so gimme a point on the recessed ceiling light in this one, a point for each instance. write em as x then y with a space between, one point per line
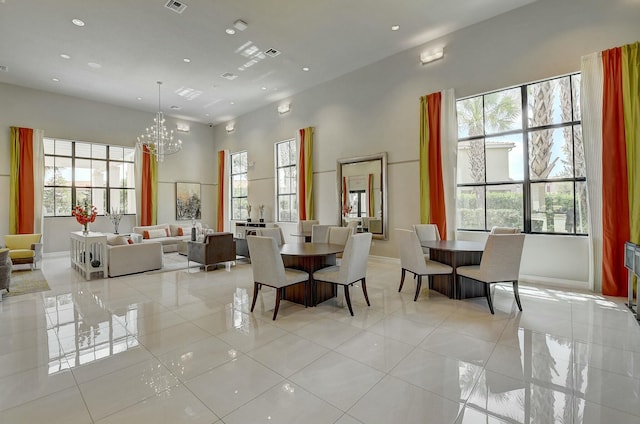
263 88
139 98
240 25
306 69
395 27
206 114
187 60
94 65
175 107
230 31
65 56
55 80
78 22
232 103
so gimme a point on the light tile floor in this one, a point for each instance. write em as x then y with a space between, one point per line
182 347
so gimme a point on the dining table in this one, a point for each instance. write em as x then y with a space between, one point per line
310 257
456 253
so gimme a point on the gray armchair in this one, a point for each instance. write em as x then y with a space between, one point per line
5 270
214 249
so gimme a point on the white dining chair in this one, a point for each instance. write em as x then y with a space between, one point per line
353 226
413 259
426 232
504 230
500 263
305 226
339 235
352 269
268 270
320 233
274 232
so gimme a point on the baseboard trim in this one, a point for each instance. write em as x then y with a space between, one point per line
555 282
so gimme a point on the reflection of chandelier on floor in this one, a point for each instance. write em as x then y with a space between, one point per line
157 139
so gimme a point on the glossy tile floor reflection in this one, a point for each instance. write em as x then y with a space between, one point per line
181 347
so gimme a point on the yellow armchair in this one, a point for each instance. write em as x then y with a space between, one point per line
24 248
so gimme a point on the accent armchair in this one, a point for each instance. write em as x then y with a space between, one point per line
24 248
214 249
5 270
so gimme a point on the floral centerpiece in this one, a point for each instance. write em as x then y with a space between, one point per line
115 216
85 213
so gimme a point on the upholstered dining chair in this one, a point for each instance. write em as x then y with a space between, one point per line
352 269
274 232
268 270
426 232
504 230
339 235
305 226
500 263
413 259
353 226
320 233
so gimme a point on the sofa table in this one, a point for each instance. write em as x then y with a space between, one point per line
89 253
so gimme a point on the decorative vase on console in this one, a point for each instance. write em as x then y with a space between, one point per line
85 213
115 217
248 213
261 210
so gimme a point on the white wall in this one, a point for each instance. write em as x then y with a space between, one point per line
376 109
76 119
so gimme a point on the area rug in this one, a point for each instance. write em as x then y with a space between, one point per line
174 262
25 281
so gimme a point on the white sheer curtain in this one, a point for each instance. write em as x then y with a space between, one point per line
449 145
38 180
591 107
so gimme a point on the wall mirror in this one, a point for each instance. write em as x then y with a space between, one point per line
362 185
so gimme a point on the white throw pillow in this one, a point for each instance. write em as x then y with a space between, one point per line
117 241
159 233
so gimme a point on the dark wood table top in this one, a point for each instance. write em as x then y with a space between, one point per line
454 245
310 249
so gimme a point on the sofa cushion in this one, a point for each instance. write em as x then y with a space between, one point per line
157 233
117 240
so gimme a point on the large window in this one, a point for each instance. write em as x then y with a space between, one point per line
76 171
239 186
521 159
286 177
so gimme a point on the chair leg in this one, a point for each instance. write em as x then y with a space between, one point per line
278 296
364 290
487 292
404 271
347 298
256 287
517 295
418 288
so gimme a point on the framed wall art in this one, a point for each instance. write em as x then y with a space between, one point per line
187 201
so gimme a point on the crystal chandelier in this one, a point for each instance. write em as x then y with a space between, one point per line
157 139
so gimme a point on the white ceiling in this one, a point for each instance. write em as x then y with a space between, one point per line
138 42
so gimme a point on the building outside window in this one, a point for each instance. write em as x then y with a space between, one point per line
286 181
76 171
521 159
239 186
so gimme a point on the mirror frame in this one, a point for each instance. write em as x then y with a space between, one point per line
383 173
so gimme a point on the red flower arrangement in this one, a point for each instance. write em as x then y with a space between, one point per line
85 214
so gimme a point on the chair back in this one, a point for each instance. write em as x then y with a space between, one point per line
339 235
305 227
426 232
504 230
501 257
354 259
411 254
273 232
353 226
266 262
320 233
21 241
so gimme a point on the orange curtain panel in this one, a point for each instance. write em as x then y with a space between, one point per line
149 203
305 174
432 202
610 105
221 185
21 192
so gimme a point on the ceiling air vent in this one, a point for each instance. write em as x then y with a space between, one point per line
272 52
176 6
4 68
229 76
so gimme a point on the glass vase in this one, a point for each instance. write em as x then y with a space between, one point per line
85 228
